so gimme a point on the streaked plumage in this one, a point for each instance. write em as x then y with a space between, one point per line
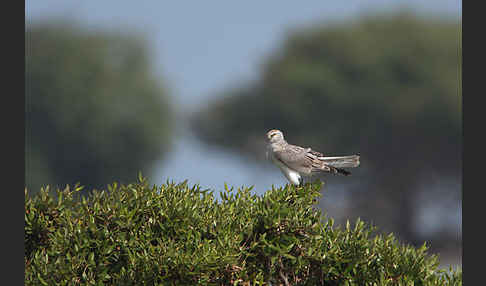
296 162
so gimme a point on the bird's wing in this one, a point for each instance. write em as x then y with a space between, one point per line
332 164
295 157
307 161
319 163
315 158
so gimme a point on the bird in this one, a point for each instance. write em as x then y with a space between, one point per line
297 162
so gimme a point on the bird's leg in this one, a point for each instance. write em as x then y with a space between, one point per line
301 181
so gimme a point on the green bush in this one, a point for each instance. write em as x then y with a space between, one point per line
176 234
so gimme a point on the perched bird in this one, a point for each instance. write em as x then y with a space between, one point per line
295 162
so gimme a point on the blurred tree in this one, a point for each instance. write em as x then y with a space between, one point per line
95 111
385 86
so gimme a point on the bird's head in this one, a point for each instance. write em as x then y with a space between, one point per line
274 135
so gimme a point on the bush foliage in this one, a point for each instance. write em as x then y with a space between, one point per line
177 234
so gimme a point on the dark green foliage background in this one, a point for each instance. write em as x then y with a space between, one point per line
176 234
94 111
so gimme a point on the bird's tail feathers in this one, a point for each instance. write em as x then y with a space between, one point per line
341 161
339 171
